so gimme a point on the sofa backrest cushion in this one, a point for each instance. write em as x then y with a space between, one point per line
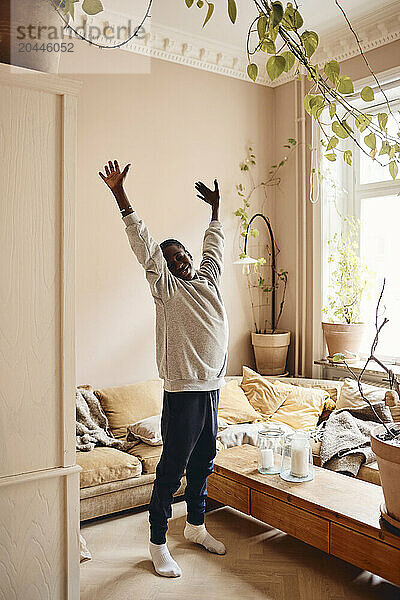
128 404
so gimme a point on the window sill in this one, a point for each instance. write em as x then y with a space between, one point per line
375 371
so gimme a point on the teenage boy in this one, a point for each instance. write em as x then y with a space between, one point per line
191 352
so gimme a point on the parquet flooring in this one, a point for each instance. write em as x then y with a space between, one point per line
261 564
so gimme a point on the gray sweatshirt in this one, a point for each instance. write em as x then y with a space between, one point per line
191 322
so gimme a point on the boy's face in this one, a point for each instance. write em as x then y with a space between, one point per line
180 262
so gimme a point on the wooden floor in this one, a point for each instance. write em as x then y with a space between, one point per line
261 563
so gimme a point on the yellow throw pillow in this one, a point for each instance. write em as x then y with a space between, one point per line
262 394
128 404
303 406
234 406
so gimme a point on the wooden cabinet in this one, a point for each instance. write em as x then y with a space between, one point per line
39 481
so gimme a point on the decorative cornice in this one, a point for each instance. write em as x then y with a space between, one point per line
165 43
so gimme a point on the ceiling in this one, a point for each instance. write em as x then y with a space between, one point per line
322 16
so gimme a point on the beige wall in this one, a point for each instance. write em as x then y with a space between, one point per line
380 59
176 125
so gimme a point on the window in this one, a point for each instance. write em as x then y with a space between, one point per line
368 193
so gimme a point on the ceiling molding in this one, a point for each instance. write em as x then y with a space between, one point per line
169 44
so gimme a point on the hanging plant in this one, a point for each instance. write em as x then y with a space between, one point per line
278 33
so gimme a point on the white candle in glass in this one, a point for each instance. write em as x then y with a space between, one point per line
300 456
267 458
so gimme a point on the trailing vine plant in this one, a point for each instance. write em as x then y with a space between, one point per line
66 11
245 194
278 33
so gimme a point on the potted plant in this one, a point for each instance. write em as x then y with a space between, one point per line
31 31
385 439
343 330
270 344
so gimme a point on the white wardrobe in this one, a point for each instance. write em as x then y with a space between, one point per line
39 480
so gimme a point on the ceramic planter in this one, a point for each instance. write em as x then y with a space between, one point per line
270 351
388 457
343 337
19 51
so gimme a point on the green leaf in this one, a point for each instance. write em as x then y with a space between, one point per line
331 156
332 110
261 26
332 70
292 19
362 121
277 13
370 141
316 105
69 7
367 94
307 99
345 85
340 130
267 45
252 71
189 3
348 157
393 169
289 58
385 148
275 66
92 7
333 142
310 42
209 14
232 10
338 357
382 120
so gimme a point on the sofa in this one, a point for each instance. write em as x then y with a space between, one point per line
113 480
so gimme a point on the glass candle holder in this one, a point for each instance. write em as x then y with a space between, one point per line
270 445
297 459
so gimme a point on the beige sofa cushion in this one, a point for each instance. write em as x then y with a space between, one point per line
128 404
148 456
234 407
103 465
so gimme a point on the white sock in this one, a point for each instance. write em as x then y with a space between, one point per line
199 535
163 562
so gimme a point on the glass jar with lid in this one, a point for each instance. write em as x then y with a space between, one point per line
270 446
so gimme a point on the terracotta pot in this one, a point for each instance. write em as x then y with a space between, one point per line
343 337
21 14
270 351
388 457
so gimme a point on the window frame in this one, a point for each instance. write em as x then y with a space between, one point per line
356 193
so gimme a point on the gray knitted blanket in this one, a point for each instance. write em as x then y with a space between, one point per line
91 423
345 438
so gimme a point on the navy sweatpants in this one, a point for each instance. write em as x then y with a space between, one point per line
188 427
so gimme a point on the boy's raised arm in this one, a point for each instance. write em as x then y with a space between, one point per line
146 249
211 265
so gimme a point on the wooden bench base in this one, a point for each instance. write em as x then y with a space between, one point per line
335 513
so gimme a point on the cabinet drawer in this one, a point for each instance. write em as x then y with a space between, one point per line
299 523
229 492
365 552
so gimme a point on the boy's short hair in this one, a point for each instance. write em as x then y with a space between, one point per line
171 242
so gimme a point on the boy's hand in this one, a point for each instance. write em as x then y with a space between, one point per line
207 195
113 177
